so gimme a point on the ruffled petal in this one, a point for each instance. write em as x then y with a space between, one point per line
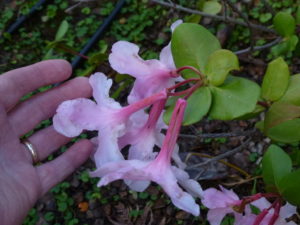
215 216
166 57
73 116
190 185
167 180
213 198
124 59
287 210
108 148
229 193
101 86
261 203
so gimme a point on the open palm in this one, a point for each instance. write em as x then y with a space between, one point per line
22 183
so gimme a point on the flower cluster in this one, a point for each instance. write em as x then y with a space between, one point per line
119 126
226 201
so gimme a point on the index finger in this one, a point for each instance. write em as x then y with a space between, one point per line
16 83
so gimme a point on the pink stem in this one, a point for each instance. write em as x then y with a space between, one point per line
134 107
172 132
260 217
155 112
182 83
190 68
276 213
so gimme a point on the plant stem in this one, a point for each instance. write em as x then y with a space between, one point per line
221 18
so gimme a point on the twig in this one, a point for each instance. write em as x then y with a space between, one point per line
218 135
221 18
258 48
235 9
221 161
221 156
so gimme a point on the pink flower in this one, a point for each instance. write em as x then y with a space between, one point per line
285 212
158 170
107 116
151 75
220 203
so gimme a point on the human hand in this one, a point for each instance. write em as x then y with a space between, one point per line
22 183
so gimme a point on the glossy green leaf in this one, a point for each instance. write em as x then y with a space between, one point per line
280 112
276 80
219 64
62 30
212 7
284 23
275 165
191 45
236 97
289 187
198 105
257 110
286 132
292 94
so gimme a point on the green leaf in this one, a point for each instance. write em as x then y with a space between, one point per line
276 80
219 64
198 105
97 58
289 187
280 112
236 97
191 45
62 30
286 132
275 165
298 15
212 7
292 94
284 23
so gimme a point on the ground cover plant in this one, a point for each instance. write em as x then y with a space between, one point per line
231 81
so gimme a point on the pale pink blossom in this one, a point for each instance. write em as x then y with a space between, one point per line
151 75
285 212
220 203
106 116
158 170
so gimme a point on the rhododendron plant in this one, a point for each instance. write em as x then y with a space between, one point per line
189 81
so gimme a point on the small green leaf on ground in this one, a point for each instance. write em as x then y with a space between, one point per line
284 23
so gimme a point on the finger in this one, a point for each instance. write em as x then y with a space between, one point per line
7 136
47 141
53 172
42 106
16 83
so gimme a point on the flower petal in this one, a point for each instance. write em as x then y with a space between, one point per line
287 210
215 216
190 185
101 86
124 59
213 198
73 116
108 148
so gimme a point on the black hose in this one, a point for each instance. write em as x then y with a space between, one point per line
98 33
22 19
